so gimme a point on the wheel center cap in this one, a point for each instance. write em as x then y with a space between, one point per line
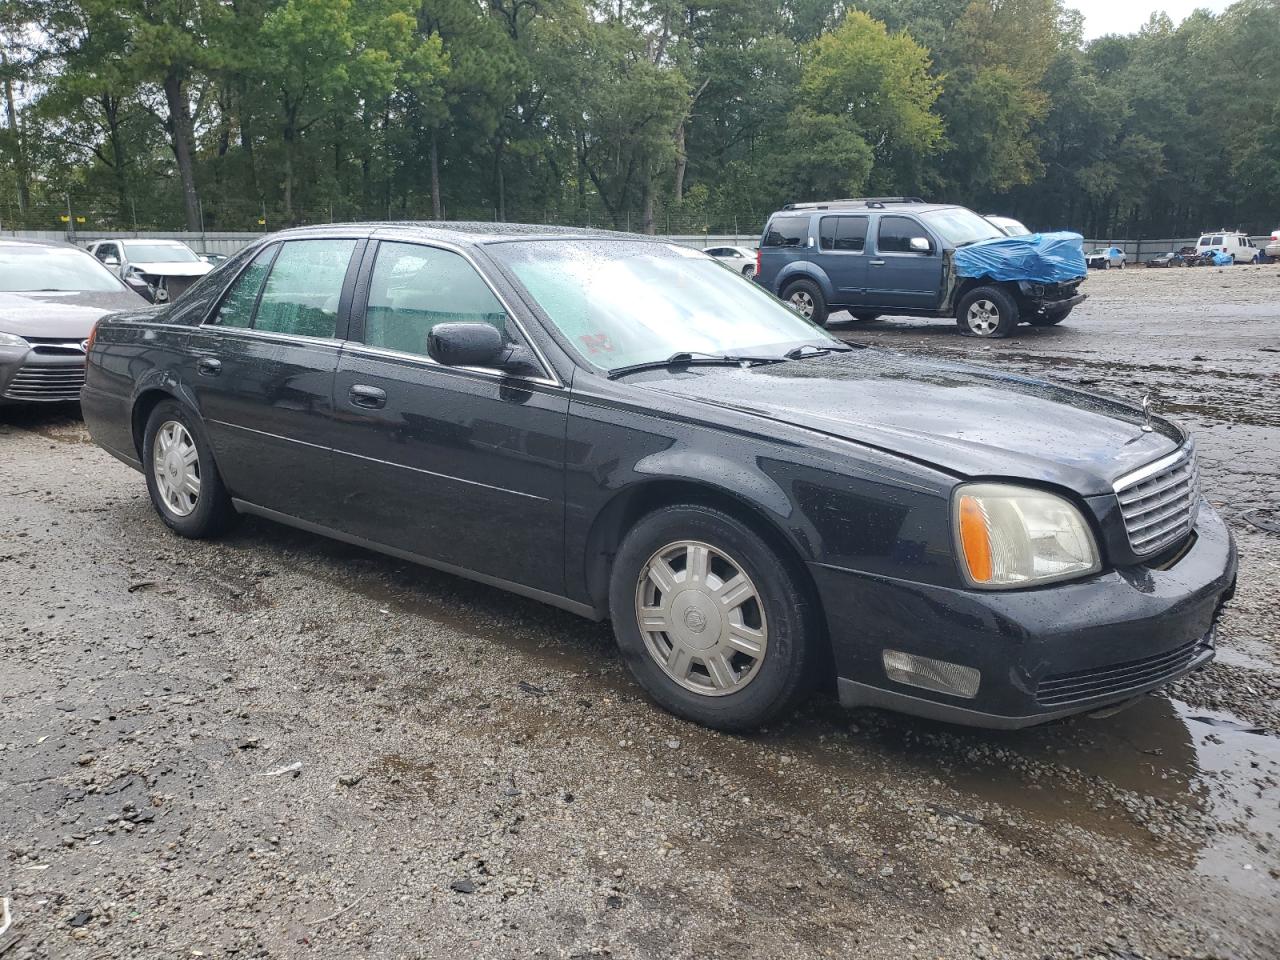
696 619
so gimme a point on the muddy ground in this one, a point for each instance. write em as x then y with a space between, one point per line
468 774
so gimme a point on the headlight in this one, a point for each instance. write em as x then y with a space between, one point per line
12 340
1012 536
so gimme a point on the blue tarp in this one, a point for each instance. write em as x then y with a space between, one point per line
1041 257
1221 259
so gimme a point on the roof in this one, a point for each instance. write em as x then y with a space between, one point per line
894 204
470 231
24 242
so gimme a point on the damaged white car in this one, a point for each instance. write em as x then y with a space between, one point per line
160 270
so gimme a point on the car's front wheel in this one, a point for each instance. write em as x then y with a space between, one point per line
713 622
987 312
807 300
182 479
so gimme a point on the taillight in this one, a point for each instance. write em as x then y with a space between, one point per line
757 261
93 335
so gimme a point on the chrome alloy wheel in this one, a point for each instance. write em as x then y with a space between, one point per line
176 464
802 301
983 317
701 617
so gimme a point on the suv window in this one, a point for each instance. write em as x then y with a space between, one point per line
236 309
896 233
843 233
303 287
415 287
786 232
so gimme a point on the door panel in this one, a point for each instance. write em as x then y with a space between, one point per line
898 277
458 465
842 255
266 393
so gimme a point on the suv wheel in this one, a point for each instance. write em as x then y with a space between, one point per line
712 622
987 312
182 479
807 300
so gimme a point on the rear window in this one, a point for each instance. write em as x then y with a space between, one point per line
786 232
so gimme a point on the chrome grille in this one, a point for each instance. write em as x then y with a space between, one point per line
1159 502
46 382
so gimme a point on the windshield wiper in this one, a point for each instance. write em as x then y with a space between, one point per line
686 357
816 350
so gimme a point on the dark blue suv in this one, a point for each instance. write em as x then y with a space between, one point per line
894 255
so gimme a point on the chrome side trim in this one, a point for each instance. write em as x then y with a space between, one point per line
442 476
363 349
264 433
543 596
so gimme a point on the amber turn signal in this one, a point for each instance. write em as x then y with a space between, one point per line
975 539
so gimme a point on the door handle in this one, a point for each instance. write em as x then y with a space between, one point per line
371 398
208 366
876 263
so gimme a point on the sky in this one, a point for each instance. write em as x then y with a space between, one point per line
1126 16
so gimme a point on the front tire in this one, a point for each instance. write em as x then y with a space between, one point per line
713 622
185 487
807 300
987 312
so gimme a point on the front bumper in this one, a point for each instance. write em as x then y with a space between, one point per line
1042 653
40 374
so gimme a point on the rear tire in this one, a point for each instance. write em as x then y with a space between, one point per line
185 486
729 629
987 312
806 299
749 271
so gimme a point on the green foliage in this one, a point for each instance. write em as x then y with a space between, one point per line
649 114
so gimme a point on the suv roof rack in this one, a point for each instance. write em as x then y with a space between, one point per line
850 201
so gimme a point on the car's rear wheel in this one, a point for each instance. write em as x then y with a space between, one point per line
807 300
712 621
987 312
183 481
749 270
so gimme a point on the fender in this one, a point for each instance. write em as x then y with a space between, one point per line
802 269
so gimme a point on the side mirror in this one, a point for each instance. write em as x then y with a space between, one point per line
466 345
920 245
111 262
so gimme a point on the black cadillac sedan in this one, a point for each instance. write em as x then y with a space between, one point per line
627 429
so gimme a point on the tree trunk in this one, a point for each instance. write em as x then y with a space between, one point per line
111 109
647 225
19 155
682 163
436 213
181 134
288 174
499 182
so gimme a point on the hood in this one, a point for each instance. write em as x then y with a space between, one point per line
61 314
173 268
968 421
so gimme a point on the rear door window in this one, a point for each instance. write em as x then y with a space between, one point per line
414 287
303 288
848 234
787 232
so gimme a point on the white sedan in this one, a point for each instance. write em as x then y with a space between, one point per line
742 259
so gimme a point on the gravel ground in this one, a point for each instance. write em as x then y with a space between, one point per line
276 745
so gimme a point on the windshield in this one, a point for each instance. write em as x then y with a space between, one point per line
62 269
622 302
160 253
958 226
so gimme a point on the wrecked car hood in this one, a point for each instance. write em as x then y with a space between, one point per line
173 268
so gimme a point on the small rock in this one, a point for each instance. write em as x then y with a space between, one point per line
350 779
462 886
81 918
